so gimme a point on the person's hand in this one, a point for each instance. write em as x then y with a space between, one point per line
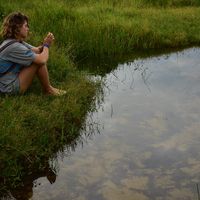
49 39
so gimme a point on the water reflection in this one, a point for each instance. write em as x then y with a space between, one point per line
102 66
25 192
47 171
149 148
159 127
149 142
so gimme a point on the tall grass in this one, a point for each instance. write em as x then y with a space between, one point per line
34 126
105 28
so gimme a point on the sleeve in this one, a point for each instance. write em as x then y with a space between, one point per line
21 55
28 45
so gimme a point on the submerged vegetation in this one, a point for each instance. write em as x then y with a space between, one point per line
33 126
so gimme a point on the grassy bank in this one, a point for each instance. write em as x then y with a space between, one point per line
33 127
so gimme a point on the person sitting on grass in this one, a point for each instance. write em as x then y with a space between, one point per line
20 61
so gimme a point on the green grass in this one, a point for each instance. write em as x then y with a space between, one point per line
34 127
109 27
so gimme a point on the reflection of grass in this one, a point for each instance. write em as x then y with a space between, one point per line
173 2
33 126
198 194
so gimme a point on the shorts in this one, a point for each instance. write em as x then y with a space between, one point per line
9 84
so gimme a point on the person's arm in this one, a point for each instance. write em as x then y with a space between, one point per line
42 57
38 49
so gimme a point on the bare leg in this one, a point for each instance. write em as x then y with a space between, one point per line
26 77
43 76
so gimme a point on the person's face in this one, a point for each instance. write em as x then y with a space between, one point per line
24 30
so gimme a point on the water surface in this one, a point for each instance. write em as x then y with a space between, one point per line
149 141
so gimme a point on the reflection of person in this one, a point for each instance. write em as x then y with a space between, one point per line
25 192
20 61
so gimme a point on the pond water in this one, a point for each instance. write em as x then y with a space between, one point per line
147 139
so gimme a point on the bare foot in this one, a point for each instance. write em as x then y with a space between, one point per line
54 91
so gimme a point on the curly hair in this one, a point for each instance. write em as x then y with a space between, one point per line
12 24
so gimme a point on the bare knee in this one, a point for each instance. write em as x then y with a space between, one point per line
26 76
